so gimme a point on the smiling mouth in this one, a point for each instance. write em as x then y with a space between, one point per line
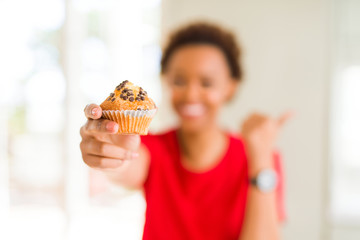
192 110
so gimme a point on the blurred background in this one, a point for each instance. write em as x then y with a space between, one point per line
56 56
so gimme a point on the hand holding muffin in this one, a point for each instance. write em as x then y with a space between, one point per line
105 137
101 146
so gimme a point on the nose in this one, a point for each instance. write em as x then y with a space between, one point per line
191 93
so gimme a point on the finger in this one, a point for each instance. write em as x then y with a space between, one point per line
102 137
101 126
107 150
285 117
253 120
101 162
93 111
129 142
82 132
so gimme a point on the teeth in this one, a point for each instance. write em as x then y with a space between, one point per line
192 110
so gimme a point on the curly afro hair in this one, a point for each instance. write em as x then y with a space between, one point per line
205 33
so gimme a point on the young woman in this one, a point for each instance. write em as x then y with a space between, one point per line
199 181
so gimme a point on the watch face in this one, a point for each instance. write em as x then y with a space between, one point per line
267 180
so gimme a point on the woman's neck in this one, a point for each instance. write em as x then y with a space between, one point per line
203 149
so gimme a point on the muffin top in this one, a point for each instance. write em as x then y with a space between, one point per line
127 96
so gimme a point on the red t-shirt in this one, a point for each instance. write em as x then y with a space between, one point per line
186 205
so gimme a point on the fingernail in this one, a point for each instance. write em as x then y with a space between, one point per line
112 127
94 111
116 128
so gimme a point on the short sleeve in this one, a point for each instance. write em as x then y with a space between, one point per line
280 201
150 142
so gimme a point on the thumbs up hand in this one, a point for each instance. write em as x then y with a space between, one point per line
259 133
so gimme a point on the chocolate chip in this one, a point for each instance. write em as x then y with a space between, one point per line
125 90
142 98
109 98
137 98
130 93
125 97
120 86
112 94
113 99
138 109
131 99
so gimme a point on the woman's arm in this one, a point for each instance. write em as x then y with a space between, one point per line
261 219
121 157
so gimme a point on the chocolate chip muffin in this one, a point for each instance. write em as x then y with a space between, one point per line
130 107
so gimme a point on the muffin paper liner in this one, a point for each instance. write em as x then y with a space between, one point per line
131 121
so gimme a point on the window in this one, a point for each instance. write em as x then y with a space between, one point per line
345 114
61 55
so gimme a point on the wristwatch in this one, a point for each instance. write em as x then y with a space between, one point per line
266 180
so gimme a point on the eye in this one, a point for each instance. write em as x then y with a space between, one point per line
206 83
179 81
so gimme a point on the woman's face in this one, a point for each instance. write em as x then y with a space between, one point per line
200 83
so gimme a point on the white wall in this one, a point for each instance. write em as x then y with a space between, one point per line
286 62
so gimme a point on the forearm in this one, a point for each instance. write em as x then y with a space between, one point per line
117 176
261 220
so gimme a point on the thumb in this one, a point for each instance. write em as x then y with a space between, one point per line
93 111
285 117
